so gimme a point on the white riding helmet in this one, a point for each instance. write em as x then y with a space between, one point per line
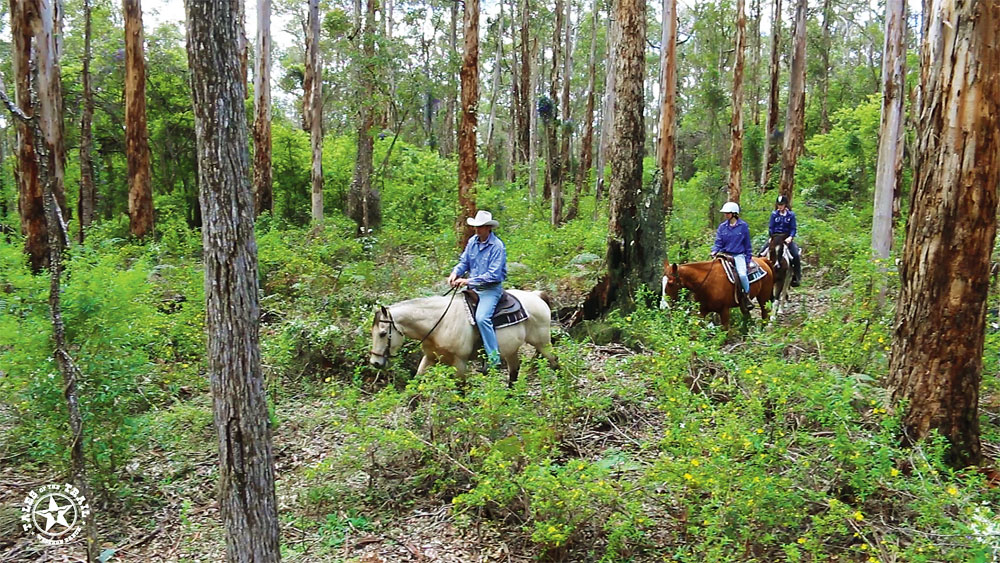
730 207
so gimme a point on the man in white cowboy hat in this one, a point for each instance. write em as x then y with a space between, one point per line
485 262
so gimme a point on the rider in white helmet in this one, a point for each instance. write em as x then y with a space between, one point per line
733 238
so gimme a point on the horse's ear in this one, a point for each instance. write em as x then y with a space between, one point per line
383 311
673 269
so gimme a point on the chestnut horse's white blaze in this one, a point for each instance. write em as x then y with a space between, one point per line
454 341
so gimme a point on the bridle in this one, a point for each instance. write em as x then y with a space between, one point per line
703 280
392 325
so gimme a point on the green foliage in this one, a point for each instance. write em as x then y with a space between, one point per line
839 166
133 338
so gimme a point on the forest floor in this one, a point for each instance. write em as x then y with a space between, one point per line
186 525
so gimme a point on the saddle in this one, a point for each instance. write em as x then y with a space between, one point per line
509 310
754 272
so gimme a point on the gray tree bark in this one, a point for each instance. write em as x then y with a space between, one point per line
247 498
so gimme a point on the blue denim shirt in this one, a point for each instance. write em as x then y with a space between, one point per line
733 239
783 223
486 262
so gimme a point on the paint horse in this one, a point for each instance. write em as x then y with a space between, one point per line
446 335
780 259
711 288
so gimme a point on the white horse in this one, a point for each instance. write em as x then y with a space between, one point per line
447 336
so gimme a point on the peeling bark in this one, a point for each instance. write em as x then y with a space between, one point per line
936 360
888 171
795 119
140 188
668 88
468 169
314 109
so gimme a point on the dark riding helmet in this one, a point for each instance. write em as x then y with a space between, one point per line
782 200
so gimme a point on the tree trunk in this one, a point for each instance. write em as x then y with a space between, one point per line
888 175
564 117
47 135
736 125
468 170
936 361
668 88
533 124
587 145
314 109
247 500
30 202
140 188
527 91
363 203
770 130
88 192
635 247
795 118
824 78
491 151
447 143
552 176
607 106
262 111
755 62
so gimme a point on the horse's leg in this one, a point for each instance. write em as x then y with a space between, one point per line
724 317
425 363
513 367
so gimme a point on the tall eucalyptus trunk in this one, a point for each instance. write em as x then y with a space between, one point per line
736 125
468 169
137 153
668 88
88 192
770 155
262 179
888 169
795 120
936 361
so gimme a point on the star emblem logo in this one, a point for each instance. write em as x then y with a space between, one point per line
59 507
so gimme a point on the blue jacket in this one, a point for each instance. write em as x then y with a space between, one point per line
783 223
486 262
733 239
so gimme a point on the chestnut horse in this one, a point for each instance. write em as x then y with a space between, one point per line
710 287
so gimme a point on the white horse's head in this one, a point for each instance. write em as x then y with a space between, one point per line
386 338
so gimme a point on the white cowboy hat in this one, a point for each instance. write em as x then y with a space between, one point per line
482 219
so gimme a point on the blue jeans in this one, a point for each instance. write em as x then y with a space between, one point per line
489 296
740 262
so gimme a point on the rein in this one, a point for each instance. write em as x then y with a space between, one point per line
392 325
705 279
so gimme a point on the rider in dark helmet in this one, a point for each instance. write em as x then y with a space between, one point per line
783 222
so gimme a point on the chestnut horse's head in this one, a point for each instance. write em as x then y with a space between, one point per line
671 281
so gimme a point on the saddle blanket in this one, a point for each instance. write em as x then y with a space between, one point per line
509 310
754 272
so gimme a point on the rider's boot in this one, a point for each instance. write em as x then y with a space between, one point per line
797 269
745 305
